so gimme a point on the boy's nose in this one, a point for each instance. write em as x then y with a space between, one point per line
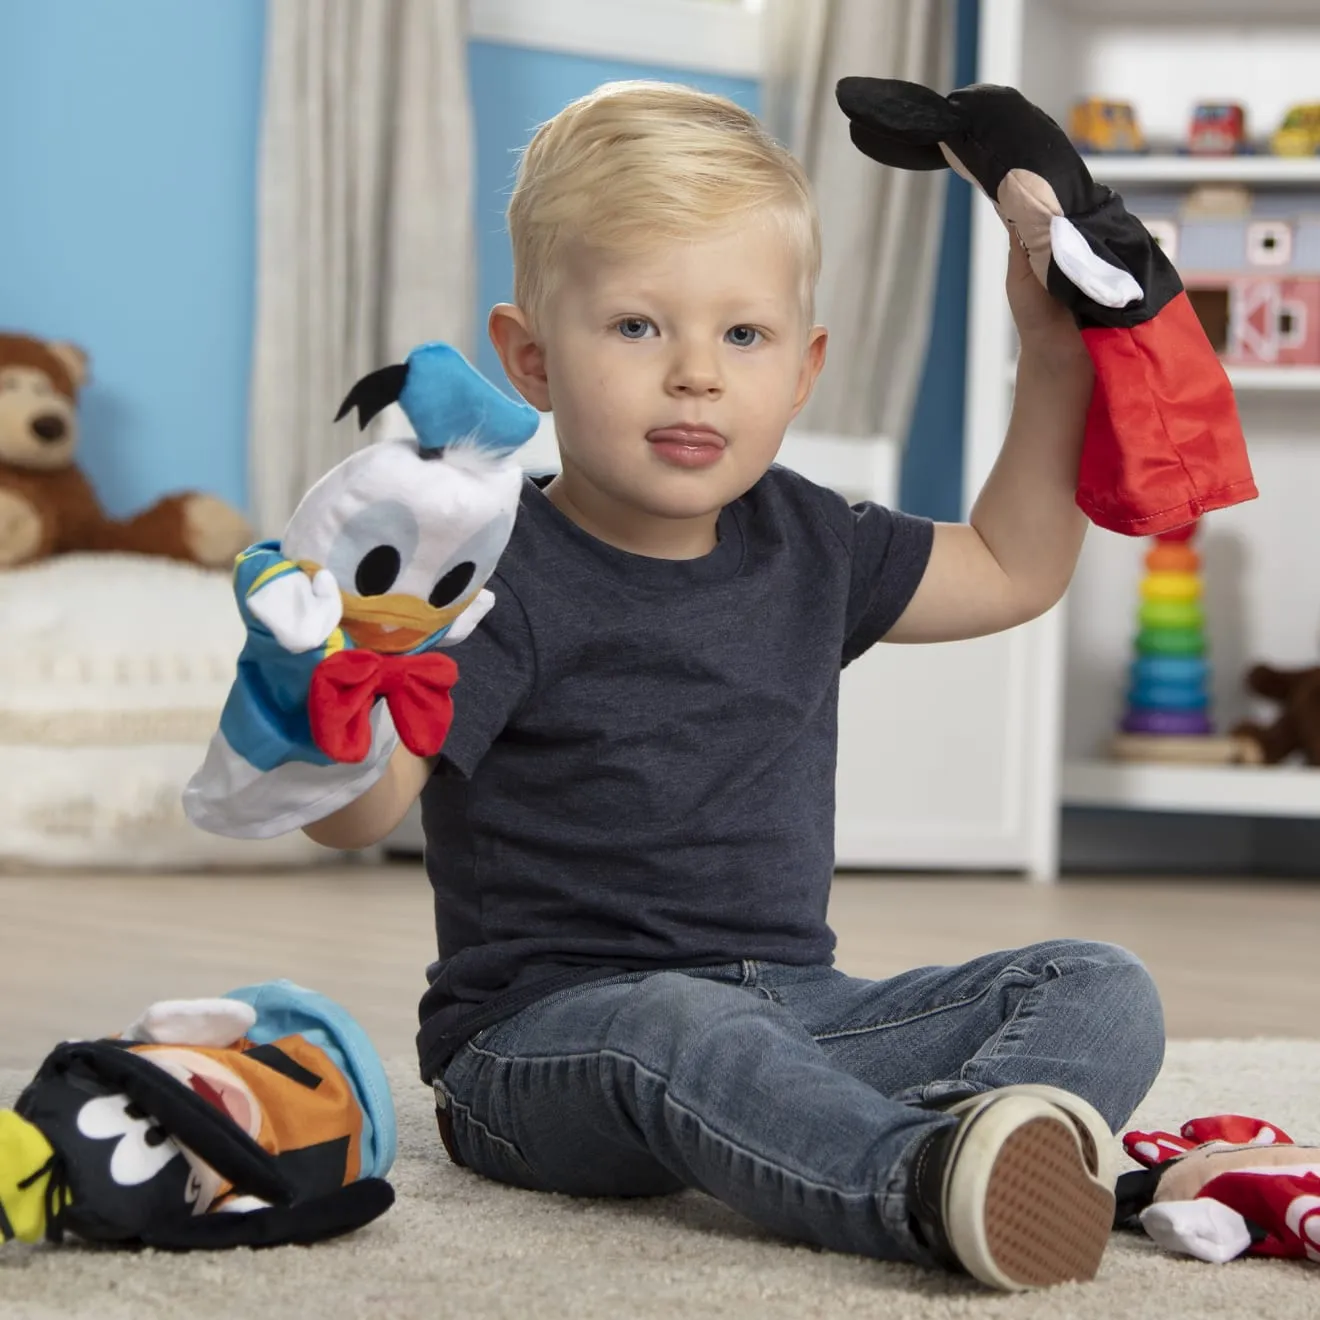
695 372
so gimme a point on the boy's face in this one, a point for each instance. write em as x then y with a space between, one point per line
672 377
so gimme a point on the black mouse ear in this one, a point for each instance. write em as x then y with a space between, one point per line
374 392
899 123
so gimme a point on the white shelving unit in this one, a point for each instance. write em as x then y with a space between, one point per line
1119 171
1228 790
1273 380
1261 560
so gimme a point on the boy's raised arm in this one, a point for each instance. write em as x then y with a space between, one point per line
1015 558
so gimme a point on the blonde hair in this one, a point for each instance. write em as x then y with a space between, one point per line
633 162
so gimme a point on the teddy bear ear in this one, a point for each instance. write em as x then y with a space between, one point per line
74 361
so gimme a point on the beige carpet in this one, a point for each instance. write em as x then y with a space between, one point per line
454 1245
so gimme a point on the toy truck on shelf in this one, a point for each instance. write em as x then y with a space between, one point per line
1098 127
1299 133
1218 128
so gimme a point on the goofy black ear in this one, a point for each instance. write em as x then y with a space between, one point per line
374 392
899 123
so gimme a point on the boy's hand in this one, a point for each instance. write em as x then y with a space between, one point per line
1045 327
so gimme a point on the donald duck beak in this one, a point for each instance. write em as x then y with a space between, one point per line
394 624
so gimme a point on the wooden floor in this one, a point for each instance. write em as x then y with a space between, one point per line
82 955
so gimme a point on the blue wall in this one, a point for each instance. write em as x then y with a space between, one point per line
127 224
513 90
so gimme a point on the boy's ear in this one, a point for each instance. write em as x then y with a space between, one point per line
520 353
812 362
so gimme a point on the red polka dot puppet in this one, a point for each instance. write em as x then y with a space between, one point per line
1224 1187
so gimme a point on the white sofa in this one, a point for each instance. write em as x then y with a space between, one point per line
113 672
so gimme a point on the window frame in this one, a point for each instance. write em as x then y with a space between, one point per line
708 36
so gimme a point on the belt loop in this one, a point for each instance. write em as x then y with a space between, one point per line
749 973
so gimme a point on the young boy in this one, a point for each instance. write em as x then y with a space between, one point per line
630 828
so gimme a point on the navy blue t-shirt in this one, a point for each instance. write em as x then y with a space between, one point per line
640 772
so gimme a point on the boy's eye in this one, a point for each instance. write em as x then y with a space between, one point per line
743 336
634 327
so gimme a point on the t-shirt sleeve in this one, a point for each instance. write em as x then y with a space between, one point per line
496 668
890 551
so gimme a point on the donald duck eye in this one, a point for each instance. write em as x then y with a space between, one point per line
452 585
377 571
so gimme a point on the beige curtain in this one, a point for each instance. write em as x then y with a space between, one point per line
365 243
881 227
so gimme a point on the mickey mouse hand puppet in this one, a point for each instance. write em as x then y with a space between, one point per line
256 1119
1163 441
384 560
1224 1187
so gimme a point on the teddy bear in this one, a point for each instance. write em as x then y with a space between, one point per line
47 505
1298 726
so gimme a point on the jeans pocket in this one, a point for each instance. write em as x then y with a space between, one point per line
469 1137
486 1152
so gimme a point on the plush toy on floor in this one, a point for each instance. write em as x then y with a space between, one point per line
384 561
1163 441
47 505
1224 1187
260 1118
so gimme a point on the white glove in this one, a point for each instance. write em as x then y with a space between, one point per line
300 611
466 622
216 1023
1204 1228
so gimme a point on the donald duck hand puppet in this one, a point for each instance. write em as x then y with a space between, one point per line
1163 442
258 1118
384 561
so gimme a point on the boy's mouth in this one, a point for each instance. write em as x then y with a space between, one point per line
687 445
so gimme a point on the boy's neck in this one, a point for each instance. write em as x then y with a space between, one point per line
632 530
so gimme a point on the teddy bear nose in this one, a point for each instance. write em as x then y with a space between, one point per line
49 427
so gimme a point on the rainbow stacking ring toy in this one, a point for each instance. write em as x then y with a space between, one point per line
1168 691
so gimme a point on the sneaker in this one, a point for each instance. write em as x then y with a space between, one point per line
1099 1144
1012 1193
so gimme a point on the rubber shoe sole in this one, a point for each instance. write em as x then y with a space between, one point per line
1099 1144
1022 1207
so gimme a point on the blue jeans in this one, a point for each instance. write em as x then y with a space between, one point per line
793 1094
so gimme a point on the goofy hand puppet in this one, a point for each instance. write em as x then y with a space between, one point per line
384 561
1163 441
257 1119
1223 1187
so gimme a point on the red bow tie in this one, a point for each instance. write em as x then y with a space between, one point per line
345 686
